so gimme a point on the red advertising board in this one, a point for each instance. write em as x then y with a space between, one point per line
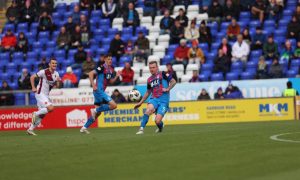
61 117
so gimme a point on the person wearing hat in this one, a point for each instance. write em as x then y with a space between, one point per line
181 53
141 47
8 41
24 80
270 49
262 72
176 33
69 79
219 94
203 95
195 54
191 33
258 39
13 13
290 91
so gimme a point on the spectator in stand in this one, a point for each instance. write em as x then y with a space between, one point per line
170 71
97 4
297 50
127 75
79 57
176 33
28 12
293 29
195 54
233 30
203 95
195 77
258 10
9 41
84 22
24 80
118 97
191 33
45 22
69 79
6 99
273 10
63 39
76 37
166 23
180 53
276 70
246 36
219 94
205 5
13 13
287 53
85 36
129 49
117 46
49 4
215 12
232 92
230 10
297 13
76 14
182 18
270 49
226 48
258 39
109 10
43 8
221 63
70 26
22 44
87 67
183 2
205 34
121 7
131 17
86 5
246 5
240 50
150 8
43 64
142 47
165 5
262 72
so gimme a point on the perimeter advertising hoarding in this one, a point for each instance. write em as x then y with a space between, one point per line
198 112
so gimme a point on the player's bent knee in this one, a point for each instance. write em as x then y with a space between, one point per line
50 108
113 106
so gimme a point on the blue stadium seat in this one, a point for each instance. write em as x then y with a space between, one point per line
251 64
96 13
247 75
279 32
44 35
11 66
4 55
204 47
33 26
142 29
295 63
61 7
232 76
60 54
31 55
127 31
254 23
112 31
167 59
256 54
32 100
31 36
206 67
245 15
71 53
67 15
104 23
22 27
237 65
51 44
18 61
9 26
283 23
287 13
203 77
291 73
37 45
100 51
4 76
270 23
20 99
217 77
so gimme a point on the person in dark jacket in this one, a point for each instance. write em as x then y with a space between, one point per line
203 95
131 17
230 11
22 44
13 13
219 94
182 18
171 71
28 12
293 29
43 64
205 34
275 70
233 92
79 57
6 99
70 25
63 39
177 33
258 39
166 23
215 12
117 46
45 22
270 48
24 80
76 37
118 97
221 63
121 8
141 47
86 5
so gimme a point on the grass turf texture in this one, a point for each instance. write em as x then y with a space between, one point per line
215 151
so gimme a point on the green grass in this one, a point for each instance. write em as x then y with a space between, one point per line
230 151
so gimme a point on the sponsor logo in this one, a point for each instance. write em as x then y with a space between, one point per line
277 109
76 118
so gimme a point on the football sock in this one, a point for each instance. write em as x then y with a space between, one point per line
104 107
145 120
160 125
41 112
37 122
89 122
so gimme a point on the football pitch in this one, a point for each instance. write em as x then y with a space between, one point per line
232 151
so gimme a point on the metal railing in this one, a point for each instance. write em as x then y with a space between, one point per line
26 92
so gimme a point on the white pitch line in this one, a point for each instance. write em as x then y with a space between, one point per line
276 137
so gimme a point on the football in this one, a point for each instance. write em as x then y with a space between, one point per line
134 95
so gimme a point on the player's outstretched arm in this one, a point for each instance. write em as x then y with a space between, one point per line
146 95
32 77
91 77
172 83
